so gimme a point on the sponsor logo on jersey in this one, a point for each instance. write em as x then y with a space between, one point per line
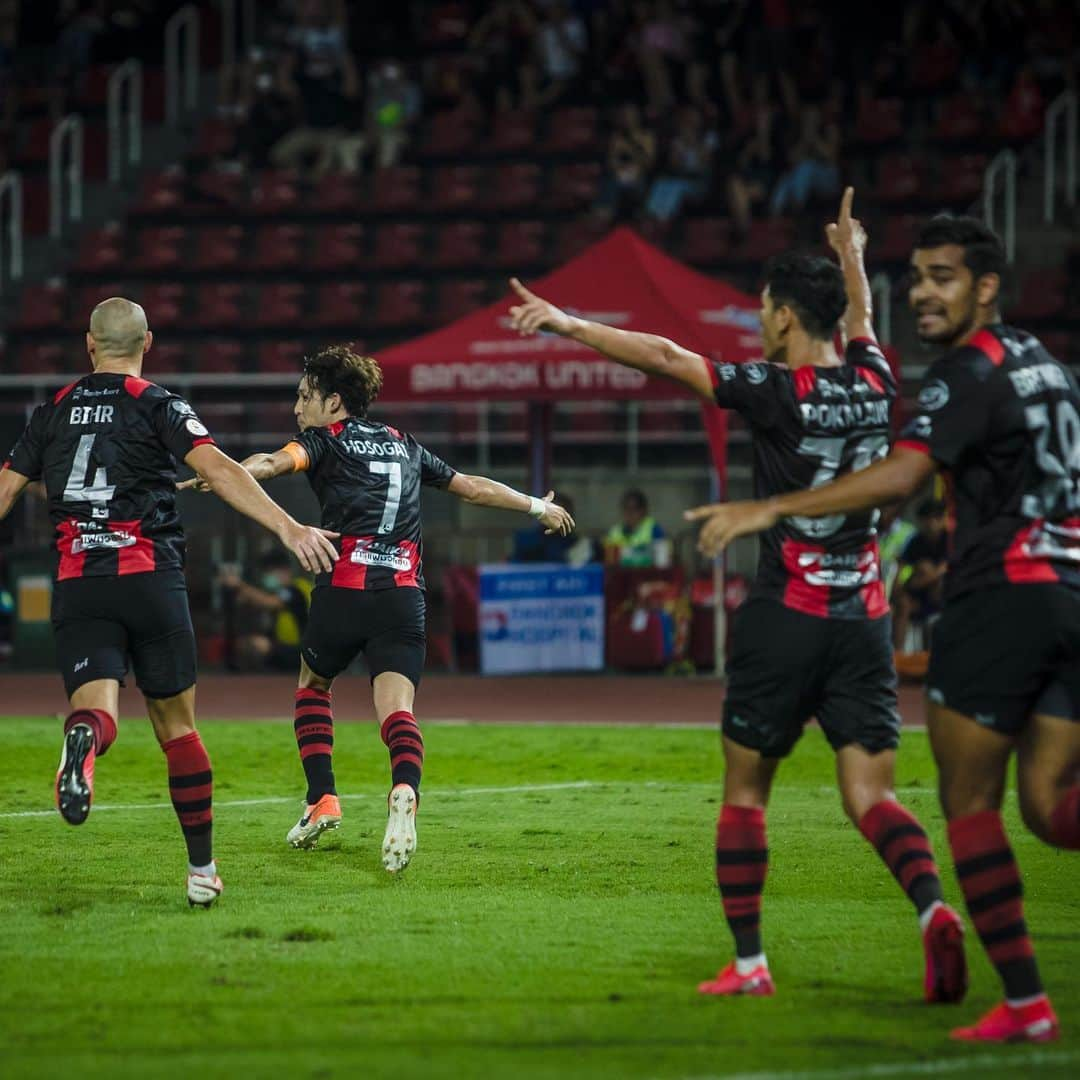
933 395
381 555
178 405
84 662
839 571
726 372
196 428
756 373
101 540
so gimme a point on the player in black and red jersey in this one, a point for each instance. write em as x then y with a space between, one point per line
813 640
107 448
367 477
1000 418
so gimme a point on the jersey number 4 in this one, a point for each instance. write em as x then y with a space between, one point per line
99 491
391 469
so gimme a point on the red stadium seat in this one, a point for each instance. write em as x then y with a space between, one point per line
879 121
900 179
957 119
218 305
456 188
218 356
280 305
170 357
933 65
336 193
450 133
281 356
457 298
163 303
962 178
512 132
36 358
574 187
101 251
398 246
897 237
766 238
460 245
705 240
517 186
1043 294
337 247
341 304
573 237
520 243
95 86
278 247
402 303
222 191
276 192
571 130
160 248
217 138
35 147
160 191
41 307
218 247
396 190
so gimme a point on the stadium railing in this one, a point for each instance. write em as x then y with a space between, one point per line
1062 114
66 136
12 227
124 118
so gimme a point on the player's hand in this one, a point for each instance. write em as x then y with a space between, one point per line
555 519
846 235
312 547
723 522
534 314
196 483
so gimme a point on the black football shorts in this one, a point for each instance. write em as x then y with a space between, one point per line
787 667
1005 652
386 625
100 623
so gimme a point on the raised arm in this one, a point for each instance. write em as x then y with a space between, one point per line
847 238
644 352
233 483
261 466
483 491
12 485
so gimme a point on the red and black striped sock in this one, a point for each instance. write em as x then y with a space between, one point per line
742 860
100 723
993 892
314 729
905 849
402 737
1065 821
191 787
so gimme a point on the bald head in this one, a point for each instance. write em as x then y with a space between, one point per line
117 330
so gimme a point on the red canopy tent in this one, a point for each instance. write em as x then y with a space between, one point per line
622 281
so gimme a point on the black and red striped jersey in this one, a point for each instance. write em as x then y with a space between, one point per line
1001 417
367 477
810 425
107 448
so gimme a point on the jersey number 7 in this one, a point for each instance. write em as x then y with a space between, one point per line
391 469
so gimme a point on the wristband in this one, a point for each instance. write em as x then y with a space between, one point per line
537 507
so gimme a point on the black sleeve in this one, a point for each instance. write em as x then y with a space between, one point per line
27 454
865 353
434 472
954 407
758 391
315 442
178 427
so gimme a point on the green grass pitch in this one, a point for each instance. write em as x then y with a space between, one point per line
555 921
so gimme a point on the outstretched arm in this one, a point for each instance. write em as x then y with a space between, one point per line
644 352
847 238
892 479
261 466
233 483
483 491
12 485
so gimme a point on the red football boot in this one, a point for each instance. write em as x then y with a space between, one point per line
946 967
1034 1022
729 981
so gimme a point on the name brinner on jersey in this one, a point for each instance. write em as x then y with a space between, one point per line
372 553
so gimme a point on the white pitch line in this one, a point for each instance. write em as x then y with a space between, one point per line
278 800
911 1068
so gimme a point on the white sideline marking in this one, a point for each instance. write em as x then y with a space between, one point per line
278 800
910 1068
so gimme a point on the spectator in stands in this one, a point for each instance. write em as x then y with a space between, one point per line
532 545
631 154
812 164
662 49
281 600
635 539
393 107
499 44
918 592
754 170
561 44
318 71
687 167
266 114
82 23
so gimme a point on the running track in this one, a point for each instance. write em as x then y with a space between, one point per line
564 699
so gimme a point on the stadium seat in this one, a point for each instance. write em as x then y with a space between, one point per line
341 304
457 298
512 132
95 85
402 304
281 356
705 240
216 138
573 237
957 119
160 248
571 130
398 246
520 244
933 65
460 246
962 178
879 120
396 190
897 236
159 191
35 146
1042 295
516 187
450 133
574 187
277 191
170 357
456 188
899 179
766 238
101 251
335 193
281 305
218 305
37 358
163 303
218 247
218 356
41 307
337 247
278 247
222 191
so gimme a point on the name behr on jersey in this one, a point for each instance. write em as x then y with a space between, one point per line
91 414
366 446
845 416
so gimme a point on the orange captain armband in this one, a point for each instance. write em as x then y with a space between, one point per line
298 454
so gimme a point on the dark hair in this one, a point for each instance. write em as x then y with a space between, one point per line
812 286
635 496
339 370
984 253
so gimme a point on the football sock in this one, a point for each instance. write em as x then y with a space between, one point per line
314 729
747 965
1065 821
100 723
209 870
905 849
742 859
402 737
990 881
191 787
